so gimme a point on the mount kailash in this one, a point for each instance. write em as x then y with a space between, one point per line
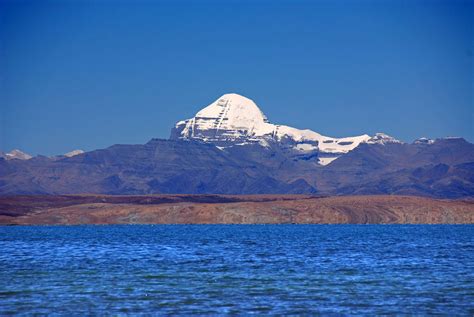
234 120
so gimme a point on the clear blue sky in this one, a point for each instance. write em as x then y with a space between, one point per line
89 74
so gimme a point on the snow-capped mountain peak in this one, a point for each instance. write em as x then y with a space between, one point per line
235 111
423 141
16 154
233 120
230 118
382 138
73 153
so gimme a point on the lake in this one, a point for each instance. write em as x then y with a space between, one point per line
237 269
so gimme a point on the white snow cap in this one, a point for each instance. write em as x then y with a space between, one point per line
326 160
423 141
231 116
382 138
234 120
17 154
73 153
235 111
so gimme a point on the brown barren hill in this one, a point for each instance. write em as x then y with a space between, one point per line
225 209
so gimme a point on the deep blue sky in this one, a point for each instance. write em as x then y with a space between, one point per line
84 74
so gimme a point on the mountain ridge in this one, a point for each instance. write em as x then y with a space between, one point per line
222 159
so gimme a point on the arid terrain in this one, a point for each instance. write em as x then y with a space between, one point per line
228 209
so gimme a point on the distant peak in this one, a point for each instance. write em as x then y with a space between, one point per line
17 154
16 151
230 112
234 96
382 138
233 101
451 139
233 120
423 140
73 153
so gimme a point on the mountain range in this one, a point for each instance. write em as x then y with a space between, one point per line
230 147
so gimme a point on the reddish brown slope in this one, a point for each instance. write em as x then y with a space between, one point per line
231 209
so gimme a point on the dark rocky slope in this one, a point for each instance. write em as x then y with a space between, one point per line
444 169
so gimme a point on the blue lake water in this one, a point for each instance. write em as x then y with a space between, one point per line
237 269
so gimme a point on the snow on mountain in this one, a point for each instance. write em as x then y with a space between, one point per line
424 141
236 120
326 160
16 154
231 118
382 138
73 153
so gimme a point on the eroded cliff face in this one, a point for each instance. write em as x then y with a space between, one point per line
216 209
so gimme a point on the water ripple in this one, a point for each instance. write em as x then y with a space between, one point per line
237 269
